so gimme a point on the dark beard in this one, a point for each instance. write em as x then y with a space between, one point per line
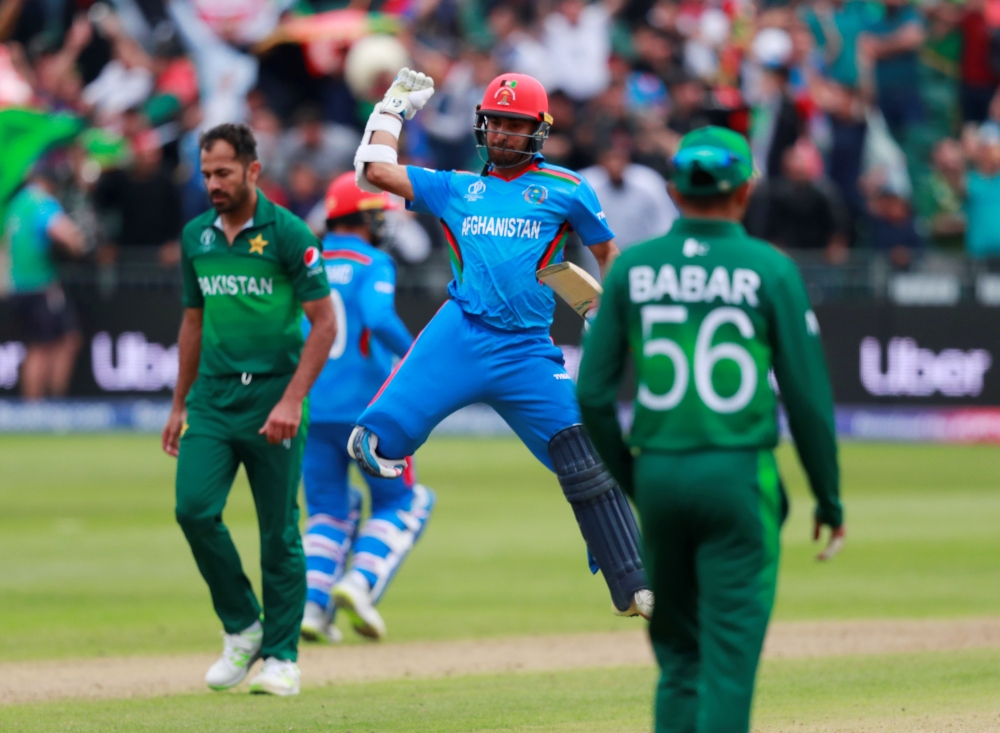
239 198
508 157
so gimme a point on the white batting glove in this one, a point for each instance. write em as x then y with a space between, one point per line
409 93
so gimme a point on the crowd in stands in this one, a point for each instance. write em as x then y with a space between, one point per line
874 123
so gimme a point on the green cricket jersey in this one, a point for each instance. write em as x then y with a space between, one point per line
706 312
251 291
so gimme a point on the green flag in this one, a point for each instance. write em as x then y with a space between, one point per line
25 136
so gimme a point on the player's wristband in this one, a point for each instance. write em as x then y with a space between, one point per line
383 121
376 154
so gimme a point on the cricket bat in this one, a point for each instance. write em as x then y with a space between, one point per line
573 284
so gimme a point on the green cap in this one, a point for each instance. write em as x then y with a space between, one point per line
710 161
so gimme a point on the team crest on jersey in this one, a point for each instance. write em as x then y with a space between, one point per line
312 257
536 194
476 190
208 238
505 94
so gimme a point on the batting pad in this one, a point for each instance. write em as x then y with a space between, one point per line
602 512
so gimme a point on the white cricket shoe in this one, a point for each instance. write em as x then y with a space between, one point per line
277 677
352 595
239 652
316 625
642 605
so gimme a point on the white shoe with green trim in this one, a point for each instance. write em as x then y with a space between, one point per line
354 598
316 626
278 677
239 652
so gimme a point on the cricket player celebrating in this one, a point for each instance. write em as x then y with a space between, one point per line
706 312
250 269
490 342
362 287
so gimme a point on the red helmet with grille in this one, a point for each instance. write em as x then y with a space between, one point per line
516 96
343 197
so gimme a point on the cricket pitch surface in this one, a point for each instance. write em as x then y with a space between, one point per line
147 676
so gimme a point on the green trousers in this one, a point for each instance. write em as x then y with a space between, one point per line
710 528
223 418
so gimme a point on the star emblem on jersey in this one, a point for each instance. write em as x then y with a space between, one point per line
257 245
207 238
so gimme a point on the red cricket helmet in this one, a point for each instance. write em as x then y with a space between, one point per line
344 199
515 96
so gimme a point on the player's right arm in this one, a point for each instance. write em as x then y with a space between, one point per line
189 346
376 164
189 356
390 177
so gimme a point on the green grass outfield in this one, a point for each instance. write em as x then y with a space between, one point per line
893 694
91 563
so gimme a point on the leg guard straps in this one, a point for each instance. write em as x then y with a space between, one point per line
602 513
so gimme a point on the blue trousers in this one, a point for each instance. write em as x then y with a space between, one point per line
334 509
456 361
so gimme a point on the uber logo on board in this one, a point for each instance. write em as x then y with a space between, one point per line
915 372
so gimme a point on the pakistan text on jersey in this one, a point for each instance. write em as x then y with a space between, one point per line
694 285
502 226
236 285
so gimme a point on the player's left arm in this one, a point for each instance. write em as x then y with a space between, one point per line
800 369
605 253
313 291
284 420
587 218
604 355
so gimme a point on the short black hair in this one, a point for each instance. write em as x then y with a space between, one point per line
239 136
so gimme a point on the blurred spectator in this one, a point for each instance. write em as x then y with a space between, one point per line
836 26
633 197
327 147
304 189
979 75
940 69
141 206
515 49
577 41
77 196
687 102
892 45
36 229
983 193
448 117
194 195
891 227
848 130
776 124
940 206
795 212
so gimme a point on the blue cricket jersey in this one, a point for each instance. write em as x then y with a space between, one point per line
500 232
362 287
